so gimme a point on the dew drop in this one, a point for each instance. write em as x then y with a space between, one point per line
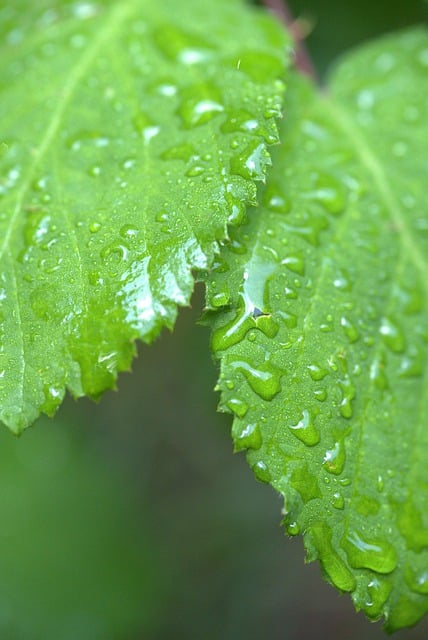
262 472
264 381
248 437
334 458
316 372
378 591
237 406
348 394
292 529
338 501
305 430
199 105
418 581
295 263
363 553
392 335
378 374
349 329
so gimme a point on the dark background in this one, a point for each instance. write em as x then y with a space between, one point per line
133 520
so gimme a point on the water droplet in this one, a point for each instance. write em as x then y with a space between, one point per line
199 104
316 372
378 374
94 171
392 335
251 162
349 329
412 364
264 380
378 555
330 193
246 437
94 227
195 170
292 529
334 458
261 471
237 406
267 325
418 580
338 501
348 394
220 299
342 280
305 430
296 263
378 591
320 395
289 319
181 46
319 537
183 152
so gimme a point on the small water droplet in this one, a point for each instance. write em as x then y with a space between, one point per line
378 591
246 437
292 529
378 374
418 580
237 406
263 380
316 372
261 471
199 104
338 501
348 394
296 263
305 430
251 162
349 329
94 227
392 335
334 458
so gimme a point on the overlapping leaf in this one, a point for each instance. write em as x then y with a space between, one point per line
131 134
324 344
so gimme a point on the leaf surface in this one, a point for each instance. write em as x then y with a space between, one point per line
324 342
131 135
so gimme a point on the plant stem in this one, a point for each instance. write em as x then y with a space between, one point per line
303 60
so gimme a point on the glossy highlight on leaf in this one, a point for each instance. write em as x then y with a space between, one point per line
131 136
336 260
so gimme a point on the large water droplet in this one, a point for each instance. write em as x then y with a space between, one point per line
364 553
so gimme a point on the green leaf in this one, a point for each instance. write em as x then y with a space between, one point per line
131 135
324 345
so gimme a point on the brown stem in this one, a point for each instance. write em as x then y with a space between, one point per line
303 61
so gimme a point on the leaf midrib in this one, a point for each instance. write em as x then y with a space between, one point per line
375 167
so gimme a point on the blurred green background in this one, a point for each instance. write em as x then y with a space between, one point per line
133 520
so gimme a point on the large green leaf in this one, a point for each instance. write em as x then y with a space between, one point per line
324 343
131 135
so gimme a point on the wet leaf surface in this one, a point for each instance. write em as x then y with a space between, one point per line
132 134
324 341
